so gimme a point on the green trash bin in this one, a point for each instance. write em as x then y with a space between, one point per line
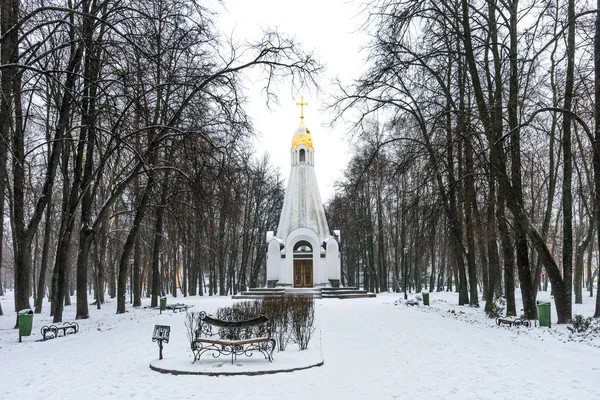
25 322
543 310
425 298
163 304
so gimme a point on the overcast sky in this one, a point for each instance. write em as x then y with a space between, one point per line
329 27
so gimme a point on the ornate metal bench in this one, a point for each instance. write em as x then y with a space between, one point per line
178 307
52 331
228 336
516 322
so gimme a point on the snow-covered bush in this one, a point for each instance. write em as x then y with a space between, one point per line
302 319
243 310
579 324
292 318
192 321
276 309
497 308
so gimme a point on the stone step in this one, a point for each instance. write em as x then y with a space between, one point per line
248 295
261 293
303 290
278 292
335 289
349 295
265 289
316 293
252 297
348 291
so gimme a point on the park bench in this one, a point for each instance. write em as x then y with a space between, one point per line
52 331
178 307
516 322
231 337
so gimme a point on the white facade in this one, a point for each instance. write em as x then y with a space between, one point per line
303 252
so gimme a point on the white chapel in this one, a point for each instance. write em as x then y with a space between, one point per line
303 252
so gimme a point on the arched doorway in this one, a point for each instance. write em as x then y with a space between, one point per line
303 264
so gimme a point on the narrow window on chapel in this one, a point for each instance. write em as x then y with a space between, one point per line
302 155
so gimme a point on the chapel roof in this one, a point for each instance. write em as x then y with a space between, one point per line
302 136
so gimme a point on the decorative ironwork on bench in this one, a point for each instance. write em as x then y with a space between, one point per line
233 337
52 331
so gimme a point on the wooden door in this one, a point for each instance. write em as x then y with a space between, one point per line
303 273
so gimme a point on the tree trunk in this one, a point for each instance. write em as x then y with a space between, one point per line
508 257
590 281
112 274
158 235
175 269
64 237
553 164
470 199
596 145
581 248
136 285
44 262
567 195
494 276
8 19
455 226
87 137
432 251
102 259
383 275
12 101
442 265
523 267
129 242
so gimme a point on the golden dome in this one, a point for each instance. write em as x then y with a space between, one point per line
302 136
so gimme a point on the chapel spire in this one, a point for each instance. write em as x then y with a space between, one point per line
303 253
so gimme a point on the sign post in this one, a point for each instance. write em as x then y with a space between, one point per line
160 335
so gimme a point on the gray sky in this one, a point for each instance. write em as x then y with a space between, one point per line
326 26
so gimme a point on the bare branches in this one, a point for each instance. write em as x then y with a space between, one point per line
477 87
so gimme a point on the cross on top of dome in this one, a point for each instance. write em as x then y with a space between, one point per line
301 104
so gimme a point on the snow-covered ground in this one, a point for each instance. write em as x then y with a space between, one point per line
372 348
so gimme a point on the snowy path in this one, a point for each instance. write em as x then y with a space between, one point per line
429 355
372 349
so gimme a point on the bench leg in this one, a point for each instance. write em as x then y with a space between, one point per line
272 341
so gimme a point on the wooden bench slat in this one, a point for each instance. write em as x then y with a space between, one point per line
232 342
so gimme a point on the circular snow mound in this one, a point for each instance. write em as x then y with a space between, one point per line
289 360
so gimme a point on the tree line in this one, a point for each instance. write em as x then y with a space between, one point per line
477 159
126 163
